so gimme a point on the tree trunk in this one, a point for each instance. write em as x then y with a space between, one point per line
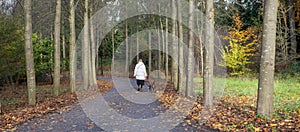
209 53
63 39
283 56
162 41
167 49
31 84
86 50
159 48
137 44
266 74
99 54
63 47
181 84
150 52
190 64
93 52
126 40
113 50
127 47
72 46
97 51
137 37
175 47
131 42
101 61
200 31
293 36
57 48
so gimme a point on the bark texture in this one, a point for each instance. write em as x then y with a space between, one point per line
31 84
85 48
72 46
56 81
181 70
267 63
175 47
190 64
209 53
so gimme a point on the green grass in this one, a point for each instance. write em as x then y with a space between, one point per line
238 86
286 92
287 95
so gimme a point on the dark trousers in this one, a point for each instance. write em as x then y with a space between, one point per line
140 83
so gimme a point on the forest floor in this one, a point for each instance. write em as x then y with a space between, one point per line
234 112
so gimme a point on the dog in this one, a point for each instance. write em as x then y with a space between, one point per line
151 86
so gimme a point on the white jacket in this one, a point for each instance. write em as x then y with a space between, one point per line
140 71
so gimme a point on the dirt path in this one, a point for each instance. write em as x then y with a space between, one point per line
76 117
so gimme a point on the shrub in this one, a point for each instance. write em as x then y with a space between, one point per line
242 45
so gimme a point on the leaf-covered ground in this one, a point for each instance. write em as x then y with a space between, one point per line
232 113
12 118
14 114
237 113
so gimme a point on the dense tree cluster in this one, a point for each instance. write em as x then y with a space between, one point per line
56 25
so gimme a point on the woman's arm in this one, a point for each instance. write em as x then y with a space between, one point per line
134 74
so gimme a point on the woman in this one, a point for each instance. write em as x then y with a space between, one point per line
140 74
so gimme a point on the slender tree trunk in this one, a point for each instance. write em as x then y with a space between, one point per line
167 49
63 48
97 63
11 81
209 53
162 41
200 31
52 35
175 47
159 49
72 46
137 37
137 44
89 54
181 84
284 55
131 42
86 50
292 28
93 52
97 51
101 61
64 54
91 83
31 85
113 50
266 74
126 41
150 52
190 64
63 39
130 49
57 48
127 47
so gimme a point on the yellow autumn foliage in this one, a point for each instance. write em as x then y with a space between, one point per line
242 45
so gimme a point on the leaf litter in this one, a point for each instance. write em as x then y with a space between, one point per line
233 113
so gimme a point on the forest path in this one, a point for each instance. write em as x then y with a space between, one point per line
76 118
